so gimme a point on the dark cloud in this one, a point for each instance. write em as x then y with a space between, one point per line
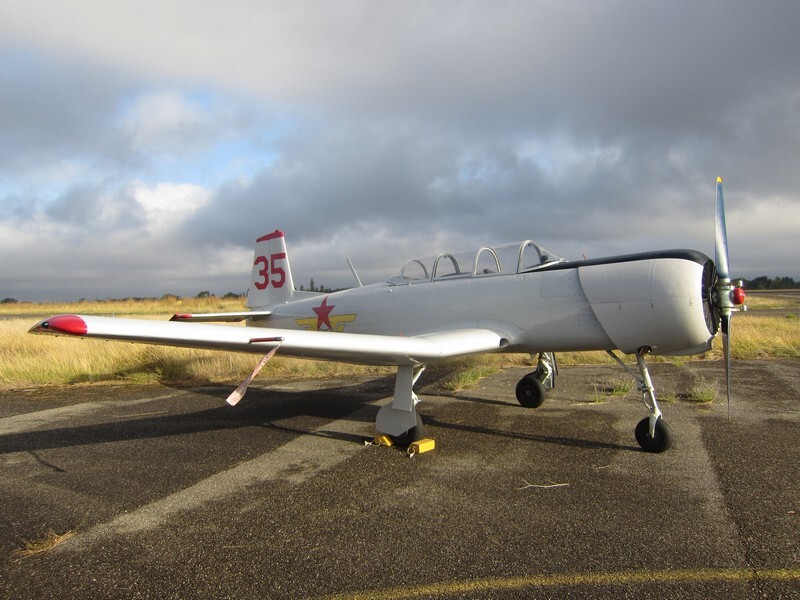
55 110
376 130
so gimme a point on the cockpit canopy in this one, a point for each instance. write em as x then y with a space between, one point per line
518 257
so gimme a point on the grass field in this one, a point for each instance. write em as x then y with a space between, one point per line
28 360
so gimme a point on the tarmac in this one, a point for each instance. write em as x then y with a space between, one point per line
169 493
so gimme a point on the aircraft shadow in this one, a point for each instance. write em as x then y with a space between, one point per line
479 400
260 408
322 432
531 437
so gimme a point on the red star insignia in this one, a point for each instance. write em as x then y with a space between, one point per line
324 314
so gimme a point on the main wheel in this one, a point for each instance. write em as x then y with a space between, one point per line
414 434
661 440
530 391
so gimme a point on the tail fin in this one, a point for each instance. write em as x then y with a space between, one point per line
271 281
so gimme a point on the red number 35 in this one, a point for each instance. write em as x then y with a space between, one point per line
278 274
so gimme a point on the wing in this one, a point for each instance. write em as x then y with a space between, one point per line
343 347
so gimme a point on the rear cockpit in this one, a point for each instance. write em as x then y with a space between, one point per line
518 257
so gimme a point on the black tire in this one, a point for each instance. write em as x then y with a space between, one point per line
530 391
660 442
414 434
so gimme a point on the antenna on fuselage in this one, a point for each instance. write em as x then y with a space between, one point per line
353 270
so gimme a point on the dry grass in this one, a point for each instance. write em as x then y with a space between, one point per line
617 387
126 307
760 336
37 547
27 360
702 393
772 299
469 377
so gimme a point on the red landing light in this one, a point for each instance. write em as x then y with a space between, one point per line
738 296
69 324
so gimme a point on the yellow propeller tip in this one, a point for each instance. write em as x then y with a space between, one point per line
719 179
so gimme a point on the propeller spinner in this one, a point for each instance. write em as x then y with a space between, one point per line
727 296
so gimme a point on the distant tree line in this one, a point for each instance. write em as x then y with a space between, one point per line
174 297
312 287
206 294
164 298
763 282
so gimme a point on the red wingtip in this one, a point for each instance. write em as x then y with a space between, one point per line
68 324
181 316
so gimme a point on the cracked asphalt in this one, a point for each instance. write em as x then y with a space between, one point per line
170 493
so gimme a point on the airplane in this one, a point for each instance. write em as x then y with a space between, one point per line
515 298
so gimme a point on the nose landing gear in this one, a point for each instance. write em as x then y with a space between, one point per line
652 433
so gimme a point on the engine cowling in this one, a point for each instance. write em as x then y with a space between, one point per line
660 303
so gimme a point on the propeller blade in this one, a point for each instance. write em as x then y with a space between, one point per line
724 288
721 236
726 350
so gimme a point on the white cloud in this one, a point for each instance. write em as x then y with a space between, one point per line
165 122
167 205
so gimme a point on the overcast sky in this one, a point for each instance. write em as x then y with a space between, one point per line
145 145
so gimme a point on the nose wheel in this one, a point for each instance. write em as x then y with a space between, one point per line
659 441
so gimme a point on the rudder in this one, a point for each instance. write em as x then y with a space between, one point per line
271 280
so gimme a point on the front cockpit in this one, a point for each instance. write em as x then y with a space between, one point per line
518 257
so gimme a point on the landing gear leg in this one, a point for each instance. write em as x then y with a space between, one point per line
399 419
547 369
652 433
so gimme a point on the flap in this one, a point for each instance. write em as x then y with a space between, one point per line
229 317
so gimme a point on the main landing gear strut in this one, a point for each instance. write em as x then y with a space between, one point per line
532 388
399 419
